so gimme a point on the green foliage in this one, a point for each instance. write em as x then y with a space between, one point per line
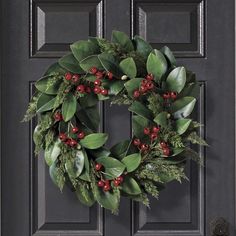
155 103
195 139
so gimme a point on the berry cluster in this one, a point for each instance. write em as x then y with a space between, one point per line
72 77
106 184
146 85
58 116
72 142
165 148
152 132
170 95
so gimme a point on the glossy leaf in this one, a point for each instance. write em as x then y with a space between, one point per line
162 119
176 79
115 87
141 110
85 173
79 162
156 64
182 125
94 141
128 67
45 103
70 63
48 85
183 107
69 107
100 152
85 195
122 39
130 186
54 68
52 152
191 90
113 167
143 47
88 100
89 62
138 124
119 150
133 85
132 161
169 55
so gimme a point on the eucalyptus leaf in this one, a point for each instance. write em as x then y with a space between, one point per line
70 63
69 107
132 161
94 141
52 152
122 39
130 186
128 67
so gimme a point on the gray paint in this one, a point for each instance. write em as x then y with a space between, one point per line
31 204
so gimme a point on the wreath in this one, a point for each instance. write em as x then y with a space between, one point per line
161 97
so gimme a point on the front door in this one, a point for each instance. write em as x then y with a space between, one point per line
201 34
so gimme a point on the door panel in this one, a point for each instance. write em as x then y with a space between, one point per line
36 33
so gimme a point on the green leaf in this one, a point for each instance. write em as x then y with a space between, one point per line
191 90
113 167
176 79
89 62
109 63
85 173
143 47
69 107
115 87
79 162
162 119
85 195
69 63
133 85
88 100
156 64
128 67
169 55
195 139
94 141
82 49
54 68
130 186
52 152
122 39
100 152
48 85
182 125
45 103
139 109
138 124
132 161
176 151
57 176
119 150
183 107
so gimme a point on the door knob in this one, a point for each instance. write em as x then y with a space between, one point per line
219 227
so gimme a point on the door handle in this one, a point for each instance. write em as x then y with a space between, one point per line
219 227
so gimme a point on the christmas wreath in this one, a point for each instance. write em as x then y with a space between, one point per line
160 95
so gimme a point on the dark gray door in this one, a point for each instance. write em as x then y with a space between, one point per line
34 33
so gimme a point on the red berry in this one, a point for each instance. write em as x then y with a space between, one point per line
106 187
163 144
104 92
67 141
80 88
143 89
99 75
155 129
144 82
116 182
97 82
68 76
120 179
166 151
173 95
93 70
136 94
74 130
75 78
73 142
81 135
149 77
97 90
144 147
107 182
88 90
62 137
146 130
153 136
100 183
98 166
110 75
58 116
136 142
150 85
166 95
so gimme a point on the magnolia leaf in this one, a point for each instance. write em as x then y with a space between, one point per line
100 152
138 124
143 47
48 85
85 195
57 176
132 161
53 69
133 85
89 100
79 162
183 107
113 167
176 151
182 125
191 90
128 67
115 87
169 55
162 119
89 62
122 39
94 141
69 107
156 64
85 173
141 110
69 63
176 79
52 152
130 186
45 102
119 150
82 49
